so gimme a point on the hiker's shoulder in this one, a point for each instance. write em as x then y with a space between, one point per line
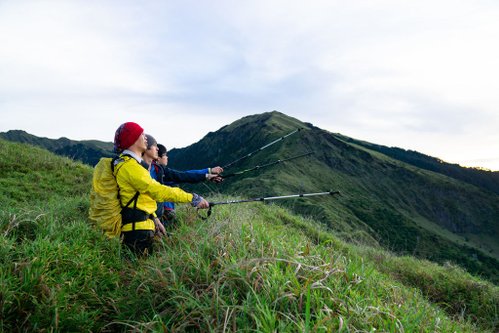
124 162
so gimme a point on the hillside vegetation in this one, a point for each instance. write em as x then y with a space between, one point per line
87 151
250 267
385 201
486 179
405 201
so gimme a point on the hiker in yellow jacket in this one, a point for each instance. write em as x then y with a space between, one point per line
139 192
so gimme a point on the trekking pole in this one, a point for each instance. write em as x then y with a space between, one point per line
261 148
264 165
263 199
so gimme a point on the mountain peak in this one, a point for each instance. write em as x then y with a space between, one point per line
267 121
387 200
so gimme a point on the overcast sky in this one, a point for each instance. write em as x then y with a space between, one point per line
420 75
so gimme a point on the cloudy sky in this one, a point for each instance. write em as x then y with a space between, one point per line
420 75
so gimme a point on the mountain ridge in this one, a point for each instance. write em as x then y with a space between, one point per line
89 152
480 177
386 201
86 151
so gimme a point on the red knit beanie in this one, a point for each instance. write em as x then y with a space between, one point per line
126 135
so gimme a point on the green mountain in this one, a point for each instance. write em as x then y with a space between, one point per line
404 208
485 179
251 267
86 151
405 201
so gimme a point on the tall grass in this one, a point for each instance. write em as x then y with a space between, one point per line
249 268
239 271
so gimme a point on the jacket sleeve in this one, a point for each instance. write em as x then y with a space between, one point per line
140 179
171 175
201 171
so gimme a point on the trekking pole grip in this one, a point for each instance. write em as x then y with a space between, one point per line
208 213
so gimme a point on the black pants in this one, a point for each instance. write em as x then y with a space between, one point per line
169 219
139 242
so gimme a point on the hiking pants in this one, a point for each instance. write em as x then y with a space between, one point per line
139 242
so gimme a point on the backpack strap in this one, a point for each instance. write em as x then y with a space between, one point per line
134 198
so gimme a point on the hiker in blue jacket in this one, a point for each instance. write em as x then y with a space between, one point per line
156 156
168 210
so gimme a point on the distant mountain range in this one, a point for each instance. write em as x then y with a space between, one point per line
405 201
88 152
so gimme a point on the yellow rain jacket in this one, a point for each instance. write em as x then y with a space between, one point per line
132 178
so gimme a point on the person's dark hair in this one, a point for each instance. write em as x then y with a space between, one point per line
151 141
161 150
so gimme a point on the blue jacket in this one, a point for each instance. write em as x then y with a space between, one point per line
172 177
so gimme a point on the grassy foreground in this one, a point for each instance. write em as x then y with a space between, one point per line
252 268
249 268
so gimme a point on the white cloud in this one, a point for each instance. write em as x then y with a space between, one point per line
53 47
419 75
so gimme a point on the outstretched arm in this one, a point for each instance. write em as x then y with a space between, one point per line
175 176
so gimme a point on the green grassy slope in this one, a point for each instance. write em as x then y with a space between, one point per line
488 180
86 151
385 201
250 267
29 175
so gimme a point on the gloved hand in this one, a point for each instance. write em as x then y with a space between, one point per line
199 202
